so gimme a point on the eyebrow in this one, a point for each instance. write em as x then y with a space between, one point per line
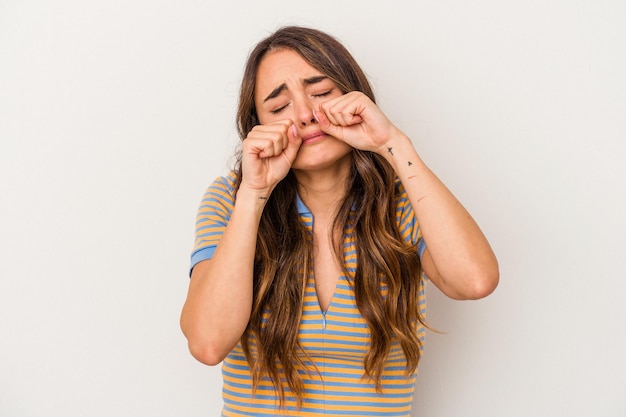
306 82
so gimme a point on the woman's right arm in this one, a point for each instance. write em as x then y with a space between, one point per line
219 301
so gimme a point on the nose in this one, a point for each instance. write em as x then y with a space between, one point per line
304 113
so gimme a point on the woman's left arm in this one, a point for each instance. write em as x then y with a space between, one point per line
458 258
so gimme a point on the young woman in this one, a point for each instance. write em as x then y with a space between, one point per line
311 256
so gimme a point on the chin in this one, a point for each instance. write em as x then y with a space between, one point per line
316 161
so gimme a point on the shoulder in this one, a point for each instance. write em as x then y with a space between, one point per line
401 197
405 216
223 186
227 181
219 197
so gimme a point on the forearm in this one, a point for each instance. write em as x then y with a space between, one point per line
219 301
459 259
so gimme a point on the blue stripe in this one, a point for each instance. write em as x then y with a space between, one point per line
345 343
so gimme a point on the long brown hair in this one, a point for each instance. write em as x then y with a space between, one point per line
283 256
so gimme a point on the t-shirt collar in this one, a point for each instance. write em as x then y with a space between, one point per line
302 208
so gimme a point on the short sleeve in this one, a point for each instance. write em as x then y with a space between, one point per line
406 220
213 215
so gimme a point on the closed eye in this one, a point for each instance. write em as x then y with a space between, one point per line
324 94
278 110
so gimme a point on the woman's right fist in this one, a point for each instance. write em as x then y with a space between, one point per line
268 153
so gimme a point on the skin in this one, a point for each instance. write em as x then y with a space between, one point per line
309 126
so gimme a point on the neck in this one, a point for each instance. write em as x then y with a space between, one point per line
323 190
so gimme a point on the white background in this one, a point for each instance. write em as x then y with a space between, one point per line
115 115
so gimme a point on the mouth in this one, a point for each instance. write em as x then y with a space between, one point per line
313 137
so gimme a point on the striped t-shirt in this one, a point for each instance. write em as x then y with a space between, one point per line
335 340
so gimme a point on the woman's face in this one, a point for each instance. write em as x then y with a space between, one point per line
288 88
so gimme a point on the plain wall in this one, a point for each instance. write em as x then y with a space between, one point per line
115 115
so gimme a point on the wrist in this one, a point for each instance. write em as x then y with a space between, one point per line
398 144
251 198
